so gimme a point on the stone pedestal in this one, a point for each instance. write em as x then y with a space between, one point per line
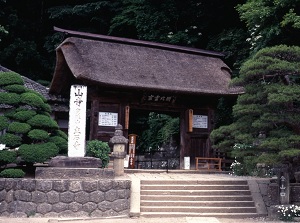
62 167
62 173
75 162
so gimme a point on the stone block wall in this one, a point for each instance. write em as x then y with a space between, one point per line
64 198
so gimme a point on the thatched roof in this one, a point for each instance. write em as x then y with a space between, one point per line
124 63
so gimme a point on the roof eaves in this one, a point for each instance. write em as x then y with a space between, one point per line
140 43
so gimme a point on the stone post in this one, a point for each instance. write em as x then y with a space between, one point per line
118 141
284 187
77 121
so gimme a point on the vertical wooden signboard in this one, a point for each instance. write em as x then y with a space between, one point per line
132 143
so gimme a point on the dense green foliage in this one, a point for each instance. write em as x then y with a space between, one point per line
266 117
30 40
157 130
32 153
7 157
271 22
12 173
98 149
28 129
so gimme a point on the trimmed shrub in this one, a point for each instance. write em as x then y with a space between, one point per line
61 134
37 153
9 98
18 127
38 134
9 78
4 122
24 115
42 121
7 156
10 114
10 140
15 88
38 94
32 100
12 173
99 149
61 143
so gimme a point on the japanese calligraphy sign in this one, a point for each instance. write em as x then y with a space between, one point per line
108 119
200 121
77 121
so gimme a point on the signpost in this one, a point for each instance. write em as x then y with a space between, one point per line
77 121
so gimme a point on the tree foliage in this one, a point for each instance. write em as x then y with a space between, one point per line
197 23
27 122
266 116
160 129
271 22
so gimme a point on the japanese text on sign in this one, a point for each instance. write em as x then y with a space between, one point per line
108 119
200 121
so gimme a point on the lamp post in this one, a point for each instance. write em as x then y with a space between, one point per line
118 141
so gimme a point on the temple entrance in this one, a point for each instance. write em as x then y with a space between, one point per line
158 139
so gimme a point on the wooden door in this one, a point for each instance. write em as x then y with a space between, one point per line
198 149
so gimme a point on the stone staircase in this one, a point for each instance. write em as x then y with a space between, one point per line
207 198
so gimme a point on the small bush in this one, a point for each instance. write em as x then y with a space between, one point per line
19 128
38 135
99 149
37 153
61 134
9 98
12 173
10 140
42 121
15 88
4 122
7 157
32 100
24 115
61 143
9 78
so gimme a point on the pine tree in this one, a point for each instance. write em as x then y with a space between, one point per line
266 127
28 130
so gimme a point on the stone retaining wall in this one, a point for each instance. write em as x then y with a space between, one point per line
64 198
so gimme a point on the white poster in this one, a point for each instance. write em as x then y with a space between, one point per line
200 121
108 119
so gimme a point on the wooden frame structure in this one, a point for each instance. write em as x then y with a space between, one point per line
125 76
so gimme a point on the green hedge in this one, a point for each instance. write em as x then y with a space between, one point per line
99 149
10 140
18 128
32 100
4 122
15 88
43 121
38 134
7 156
24 115
12 173
9 98
37 153
9 78
61 143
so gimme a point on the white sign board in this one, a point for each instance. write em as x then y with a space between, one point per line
108 119
77 121
200 121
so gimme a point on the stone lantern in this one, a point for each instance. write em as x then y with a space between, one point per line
118 141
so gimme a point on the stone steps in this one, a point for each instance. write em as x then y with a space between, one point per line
171 198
